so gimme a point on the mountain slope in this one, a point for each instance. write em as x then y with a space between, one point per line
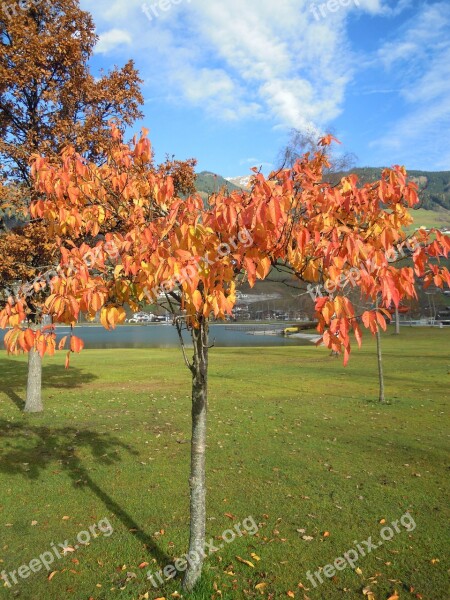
208 183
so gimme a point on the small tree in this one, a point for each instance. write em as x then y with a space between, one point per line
301 142
190 257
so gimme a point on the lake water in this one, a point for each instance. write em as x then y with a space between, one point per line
165 336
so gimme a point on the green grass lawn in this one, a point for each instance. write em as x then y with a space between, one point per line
430 218
296 441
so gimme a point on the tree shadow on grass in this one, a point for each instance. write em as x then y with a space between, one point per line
13 377
40 447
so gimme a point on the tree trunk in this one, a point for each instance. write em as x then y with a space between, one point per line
198 449
34 385
397 321
380 367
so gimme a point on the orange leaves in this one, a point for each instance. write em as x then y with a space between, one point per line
18 340
96 301
327 140
110 316
263 268
374 318
250 268
197 300
76 344
13 314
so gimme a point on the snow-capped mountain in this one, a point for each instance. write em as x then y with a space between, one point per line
243 181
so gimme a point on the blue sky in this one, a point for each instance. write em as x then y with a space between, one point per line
226 80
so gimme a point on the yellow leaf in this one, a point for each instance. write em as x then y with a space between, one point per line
245 562
394 596
52 574
261 586
368 592
291 594
254 556
358 570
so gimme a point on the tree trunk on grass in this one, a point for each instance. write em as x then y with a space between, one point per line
33 402
380 367
397 321
198 448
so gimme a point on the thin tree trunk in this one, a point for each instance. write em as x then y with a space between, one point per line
380 367
198 448
397 321
34 385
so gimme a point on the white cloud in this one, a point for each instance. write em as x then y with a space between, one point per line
112 39
256 59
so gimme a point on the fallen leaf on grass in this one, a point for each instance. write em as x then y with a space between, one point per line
394 596
254 556
368 592
307 538
434 561
143 564
291 594
65 518
230 516
326 534
261 587
33 523
358 571
245 562
52 574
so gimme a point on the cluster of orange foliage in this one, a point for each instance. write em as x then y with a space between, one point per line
48 98
153 238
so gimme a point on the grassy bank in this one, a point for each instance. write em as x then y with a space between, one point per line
296 441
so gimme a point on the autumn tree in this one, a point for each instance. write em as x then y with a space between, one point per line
190 257
49 98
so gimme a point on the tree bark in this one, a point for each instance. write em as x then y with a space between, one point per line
198 448
380 367
397 321
33 402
